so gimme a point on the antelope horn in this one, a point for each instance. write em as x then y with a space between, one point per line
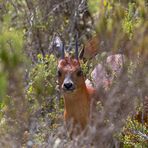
62 51
76 47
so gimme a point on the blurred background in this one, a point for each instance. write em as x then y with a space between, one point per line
113 40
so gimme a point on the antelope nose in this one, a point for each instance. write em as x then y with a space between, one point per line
68 86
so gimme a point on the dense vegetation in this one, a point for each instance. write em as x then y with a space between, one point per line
31 107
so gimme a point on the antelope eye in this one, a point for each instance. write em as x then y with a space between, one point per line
59 73
80 73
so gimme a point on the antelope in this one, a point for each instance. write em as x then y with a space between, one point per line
77 95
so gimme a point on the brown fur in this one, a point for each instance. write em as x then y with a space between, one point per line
76 103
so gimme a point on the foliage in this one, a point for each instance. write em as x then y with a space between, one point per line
3 86
11 43
134 134
31 106
43 96
44 70
8 41
41 81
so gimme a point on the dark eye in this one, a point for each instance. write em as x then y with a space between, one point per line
80 73
59 73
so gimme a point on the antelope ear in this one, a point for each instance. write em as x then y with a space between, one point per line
58 47
82 55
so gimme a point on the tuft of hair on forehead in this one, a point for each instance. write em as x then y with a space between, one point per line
69 62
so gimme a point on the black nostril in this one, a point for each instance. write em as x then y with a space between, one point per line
68 85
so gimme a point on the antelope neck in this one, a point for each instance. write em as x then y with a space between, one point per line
77 104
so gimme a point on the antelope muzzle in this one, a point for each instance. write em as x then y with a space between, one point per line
68 84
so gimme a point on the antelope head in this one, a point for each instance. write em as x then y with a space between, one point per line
70 75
